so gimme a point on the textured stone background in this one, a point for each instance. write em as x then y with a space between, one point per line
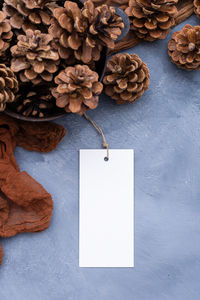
164 129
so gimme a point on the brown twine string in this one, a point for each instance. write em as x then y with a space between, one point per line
100 131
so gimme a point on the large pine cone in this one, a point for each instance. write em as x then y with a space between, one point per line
126 78
29 14
184 48
5 33
197 7
84 31
34 58
77 89
151 19
8 86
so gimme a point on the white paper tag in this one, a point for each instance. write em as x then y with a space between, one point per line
106 209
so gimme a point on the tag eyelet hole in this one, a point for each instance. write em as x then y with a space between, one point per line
106 158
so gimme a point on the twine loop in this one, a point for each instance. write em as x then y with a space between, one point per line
100 131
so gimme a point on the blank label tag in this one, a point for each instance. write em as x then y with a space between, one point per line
106 233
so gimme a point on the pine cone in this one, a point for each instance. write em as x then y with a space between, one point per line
184 48
77 89
34 58
151 19
29 14
197 7
126 78
34 101
84 31
5 33
8 86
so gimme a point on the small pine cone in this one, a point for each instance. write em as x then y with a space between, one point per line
151 20
197 7
5 33
184 48
34 101
34 58
85 31
126 78
8 86
77 89
29 14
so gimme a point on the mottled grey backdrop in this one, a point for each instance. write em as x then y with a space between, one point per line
164 129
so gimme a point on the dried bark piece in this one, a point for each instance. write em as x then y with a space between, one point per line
77 89
30 206
41 138
85 31
126 78
1 254
29 14
5 33
25 206
34 58
184 48
4 211
151 20
8 86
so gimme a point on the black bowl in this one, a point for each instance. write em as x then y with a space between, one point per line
100 67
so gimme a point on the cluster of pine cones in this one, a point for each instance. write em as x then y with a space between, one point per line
48 50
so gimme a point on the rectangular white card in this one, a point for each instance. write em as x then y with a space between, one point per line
106 209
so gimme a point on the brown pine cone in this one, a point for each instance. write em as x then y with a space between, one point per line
29 14
5 33
77 89
83 32
34 58
8 86
126 78
34 101
197 7
151 19
184 48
